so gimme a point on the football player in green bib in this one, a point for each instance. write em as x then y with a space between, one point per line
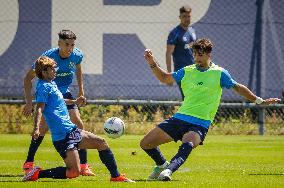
202 85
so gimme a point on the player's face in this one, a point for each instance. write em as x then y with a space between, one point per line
185 19
50 73
66 47
201 58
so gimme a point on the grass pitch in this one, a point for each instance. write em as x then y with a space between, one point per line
223 161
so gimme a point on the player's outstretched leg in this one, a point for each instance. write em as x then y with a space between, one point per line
150 145
37 172
177 161
108 160
91 141
161 163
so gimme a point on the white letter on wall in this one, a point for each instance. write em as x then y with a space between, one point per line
90 19
9 18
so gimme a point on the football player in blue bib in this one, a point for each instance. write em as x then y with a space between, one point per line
66 137
68 59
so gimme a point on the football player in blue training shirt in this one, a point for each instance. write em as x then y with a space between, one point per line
178 43
68 60
66 137
202 85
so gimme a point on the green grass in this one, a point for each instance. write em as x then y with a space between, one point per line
223 161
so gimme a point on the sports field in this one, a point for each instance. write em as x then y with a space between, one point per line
223 161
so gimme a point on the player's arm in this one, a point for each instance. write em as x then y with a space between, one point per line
37 119
79 76
28 92
162 75
248 94
169 52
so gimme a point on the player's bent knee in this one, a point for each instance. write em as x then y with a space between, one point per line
72 173
192 138
145 145
142 144
101 144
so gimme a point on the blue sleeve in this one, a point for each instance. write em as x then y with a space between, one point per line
46 53
178 75
193 35
80 58
172 38
41 95
226 80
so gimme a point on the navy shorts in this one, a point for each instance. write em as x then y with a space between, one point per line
70 142
68 95
176 128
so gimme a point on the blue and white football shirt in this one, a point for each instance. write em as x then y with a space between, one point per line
55 112
66 67
182 55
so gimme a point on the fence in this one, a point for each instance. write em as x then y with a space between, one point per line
228 113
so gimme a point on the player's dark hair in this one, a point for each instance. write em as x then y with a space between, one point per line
203 44
41 64
66 34
184 8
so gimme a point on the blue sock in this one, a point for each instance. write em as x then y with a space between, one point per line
181 156
33 148
55 173
156 155
108 160
83 156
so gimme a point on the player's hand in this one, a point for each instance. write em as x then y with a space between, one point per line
271 101
81 101
35 134
28 109
148 55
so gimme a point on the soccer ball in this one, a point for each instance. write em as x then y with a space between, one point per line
114 127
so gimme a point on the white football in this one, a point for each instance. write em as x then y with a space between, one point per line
114 127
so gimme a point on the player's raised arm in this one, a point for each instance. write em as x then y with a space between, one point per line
162 75
248 94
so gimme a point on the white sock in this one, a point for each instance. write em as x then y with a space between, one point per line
164 165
